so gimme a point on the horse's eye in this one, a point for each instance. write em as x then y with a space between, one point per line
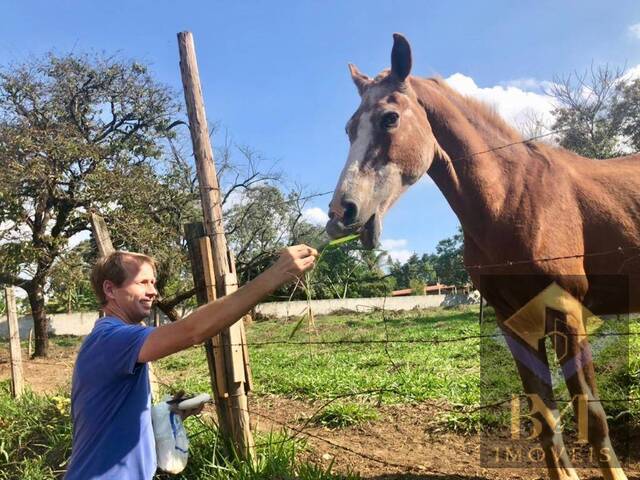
389 120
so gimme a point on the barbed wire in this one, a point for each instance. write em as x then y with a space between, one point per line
426 341
519 142
304 429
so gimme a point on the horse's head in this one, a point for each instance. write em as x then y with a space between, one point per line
392 146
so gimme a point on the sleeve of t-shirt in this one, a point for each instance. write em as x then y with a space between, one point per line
121 344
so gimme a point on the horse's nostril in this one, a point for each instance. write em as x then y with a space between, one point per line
350 211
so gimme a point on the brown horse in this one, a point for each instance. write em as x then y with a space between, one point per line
528 209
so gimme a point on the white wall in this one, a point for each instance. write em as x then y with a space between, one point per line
82 323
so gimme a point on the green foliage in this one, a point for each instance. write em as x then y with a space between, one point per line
35 435
278 456
448 260
69 286
446 266
418 269
416 286
626 109
598 113
263 222
79 133
35 444
341 415
343 271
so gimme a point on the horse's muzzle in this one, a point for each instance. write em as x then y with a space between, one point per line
336 229
369 232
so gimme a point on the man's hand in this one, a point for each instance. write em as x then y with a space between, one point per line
293 262
184 414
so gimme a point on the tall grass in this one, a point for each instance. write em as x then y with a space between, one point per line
35 444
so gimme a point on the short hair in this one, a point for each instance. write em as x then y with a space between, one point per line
113 267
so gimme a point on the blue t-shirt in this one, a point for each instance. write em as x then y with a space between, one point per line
110 406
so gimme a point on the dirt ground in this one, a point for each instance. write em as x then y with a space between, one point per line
404 443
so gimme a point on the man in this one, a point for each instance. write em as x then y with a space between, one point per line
110 395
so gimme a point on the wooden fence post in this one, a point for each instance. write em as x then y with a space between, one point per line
234 356
15 352
101 235
30 344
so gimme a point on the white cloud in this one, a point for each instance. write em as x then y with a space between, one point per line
395 249
79 237
391 243
530 84
634 30
513 100
315 216
633 73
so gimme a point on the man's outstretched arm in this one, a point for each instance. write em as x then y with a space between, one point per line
211 318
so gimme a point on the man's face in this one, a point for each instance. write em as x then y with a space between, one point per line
135 296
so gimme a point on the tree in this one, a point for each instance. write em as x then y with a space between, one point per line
598 113
76 133
449 262
626 109
446 265
416 269
262 222
348 272
69 288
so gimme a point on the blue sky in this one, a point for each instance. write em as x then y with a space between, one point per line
274 73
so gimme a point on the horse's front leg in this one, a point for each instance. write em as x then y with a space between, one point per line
574 355
533 369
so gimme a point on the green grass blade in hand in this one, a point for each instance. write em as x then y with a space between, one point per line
298 324
340 241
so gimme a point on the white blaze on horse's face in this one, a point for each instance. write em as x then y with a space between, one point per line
392 146
371 183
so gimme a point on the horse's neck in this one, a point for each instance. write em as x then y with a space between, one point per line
475 184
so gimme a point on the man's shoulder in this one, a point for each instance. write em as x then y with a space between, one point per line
103 327
104 324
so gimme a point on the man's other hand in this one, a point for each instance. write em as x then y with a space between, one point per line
293 262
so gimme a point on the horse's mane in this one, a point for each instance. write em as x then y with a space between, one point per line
479 114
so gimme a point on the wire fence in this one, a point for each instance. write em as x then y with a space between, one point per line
303 430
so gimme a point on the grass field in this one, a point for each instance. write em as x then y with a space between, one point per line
432 355
351 364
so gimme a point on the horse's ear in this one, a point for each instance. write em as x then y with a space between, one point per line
400 57
359 78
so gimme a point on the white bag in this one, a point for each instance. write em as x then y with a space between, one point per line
172 444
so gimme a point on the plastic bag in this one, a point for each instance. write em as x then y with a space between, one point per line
172 444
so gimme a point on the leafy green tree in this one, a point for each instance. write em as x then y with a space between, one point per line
264 220
420 269
598 113
449 262
69 288
77 133
626 109
350 272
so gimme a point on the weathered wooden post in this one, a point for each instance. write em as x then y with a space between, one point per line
229 353
30 344
15 353
101 235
